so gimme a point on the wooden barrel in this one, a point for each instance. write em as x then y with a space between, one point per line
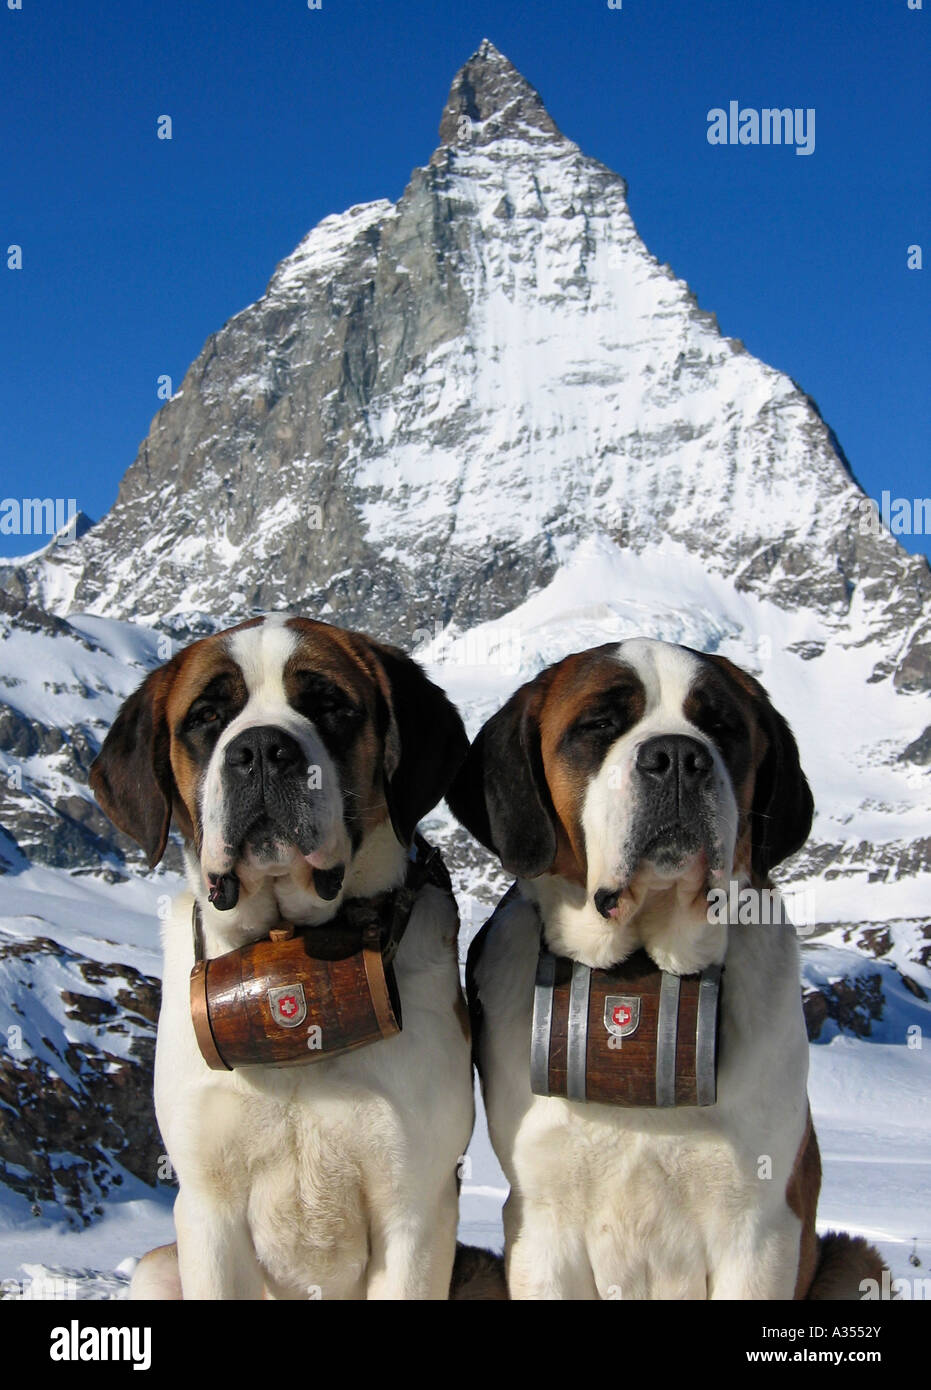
273 1003
632 1035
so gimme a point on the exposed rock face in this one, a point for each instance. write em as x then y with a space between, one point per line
60 688
75 1084
488 91
853 1005
919 751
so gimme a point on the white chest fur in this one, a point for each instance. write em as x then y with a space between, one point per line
338 1178
633 1203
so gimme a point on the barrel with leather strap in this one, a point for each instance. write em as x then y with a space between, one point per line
304 994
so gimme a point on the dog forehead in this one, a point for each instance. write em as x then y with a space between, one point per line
268 653
261 652
668 673
665 674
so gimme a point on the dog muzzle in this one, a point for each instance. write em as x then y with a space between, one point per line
633 1035
305 994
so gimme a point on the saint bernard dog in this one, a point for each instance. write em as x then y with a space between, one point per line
619 787
337 1179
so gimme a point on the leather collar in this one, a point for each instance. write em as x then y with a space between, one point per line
378 922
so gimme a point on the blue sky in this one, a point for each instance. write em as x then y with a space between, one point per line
136 249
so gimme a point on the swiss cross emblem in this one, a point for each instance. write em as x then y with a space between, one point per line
622 1014
288 1006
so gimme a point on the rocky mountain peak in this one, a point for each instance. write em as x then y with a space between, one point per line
489 98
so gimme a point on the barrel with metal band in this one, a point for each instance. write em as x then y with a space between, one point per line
304 994
633 1035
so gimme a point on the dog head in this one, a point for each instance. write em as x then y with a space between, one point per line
277 747
637 775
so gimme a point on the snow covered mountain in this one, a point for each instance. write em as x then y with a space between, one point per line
434 401
486 424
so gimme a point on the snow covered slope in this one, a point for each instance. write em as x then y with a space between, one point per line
866 957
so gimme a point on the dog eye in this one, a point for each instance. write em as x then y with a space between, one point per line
324 703
720 724
199 715
328 710
598 724
337 713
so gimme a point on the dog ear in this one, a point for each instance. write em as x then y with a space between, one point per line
131 776
783 806
425 740
501 795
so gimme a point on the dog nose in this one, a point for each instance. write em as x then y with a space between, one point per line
262 749
674 758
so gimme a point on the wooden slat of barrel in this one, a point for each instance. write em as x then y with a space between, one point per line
559 1035
336 994
625 1074
227 1012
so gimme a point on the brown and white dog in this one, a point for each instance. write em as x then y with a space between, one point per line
337 1179
619 787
